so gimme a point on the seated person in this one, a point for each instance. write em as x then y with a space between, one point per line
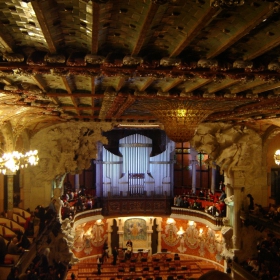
13 247
201 194
186 203
210 195
128 249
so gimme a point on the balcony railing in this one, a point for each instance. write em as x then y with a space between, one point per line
197 215
134 205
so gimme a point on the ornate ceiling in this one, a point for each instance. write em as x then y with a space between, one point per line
139 61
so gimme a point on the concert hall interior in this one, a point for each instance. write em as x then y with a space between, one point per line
140 139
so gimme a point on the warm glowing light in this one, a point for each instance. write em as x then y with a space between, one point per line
191 223
180 232
99 222
200 230
277 157
170 221
181 112
15 160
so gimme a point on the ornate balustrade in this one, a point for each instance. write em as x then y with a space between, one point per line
147 205
197 215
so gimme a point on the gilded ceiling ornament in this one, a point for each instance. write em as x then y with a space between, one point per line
226 3
179 117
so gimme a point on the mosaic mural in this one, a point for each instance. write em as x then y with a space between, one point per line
135 229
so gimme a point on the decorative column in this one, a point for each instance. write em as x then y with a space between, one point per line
10 193
239 176
213 177
120 232
1 193
77 182
193 163
149 233
99 170
109 231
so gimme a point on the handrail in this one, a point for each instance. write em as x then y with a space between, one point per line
246 275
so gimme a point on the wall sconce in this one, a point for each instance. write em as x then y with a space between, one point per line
99 222
191 223
277 157
180 232
170 221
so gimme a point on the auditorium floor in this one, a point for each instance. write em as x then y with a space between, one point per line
156 267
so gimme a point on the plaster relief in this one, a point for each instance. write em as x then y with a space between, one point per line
230 146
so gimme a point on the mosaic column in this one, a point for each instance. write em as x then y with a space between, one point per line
10 194
120 233
239 176
77 182
193 163
99 170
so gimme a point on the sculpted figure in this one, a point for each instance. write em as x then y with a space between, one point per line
170 61
13 57
132 60
207 63
94 59
242 64
55 58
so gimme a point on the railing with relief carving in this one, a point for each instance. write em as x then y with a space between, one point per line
142 205
197 214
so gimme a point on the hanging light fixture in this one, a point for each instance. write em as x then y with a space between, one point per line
15 160
277 157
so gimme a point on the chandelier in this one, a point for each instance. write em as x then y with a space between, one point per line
15 160
277 157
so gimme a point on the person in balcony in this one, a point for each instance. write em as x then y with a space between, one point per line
251 202
222 196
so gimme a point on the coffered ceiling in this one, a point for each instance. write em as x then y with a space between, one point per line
130 61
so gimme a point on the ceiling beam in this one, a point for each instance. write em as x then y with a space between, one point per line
261 50
173 84
120 84
145 28
197 84
146 84
128 102
6 40
266 87
70 87
209 14
95 27
40 83
264 13
246 86
41 8
222 85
